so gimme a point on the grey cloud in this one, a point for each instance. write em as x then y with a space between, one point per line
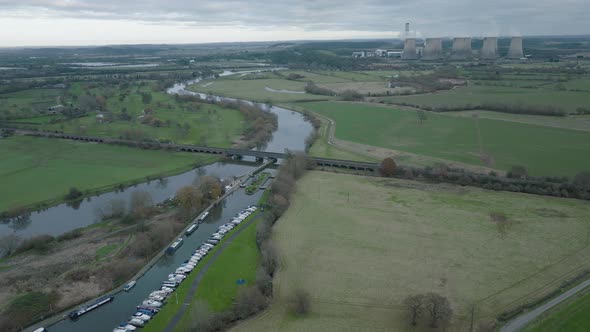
428 17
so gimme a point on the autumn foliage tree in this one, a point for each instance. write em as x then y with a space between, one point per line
189 198
387 167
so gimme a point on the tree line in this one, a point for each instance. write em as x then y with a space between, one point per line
254 299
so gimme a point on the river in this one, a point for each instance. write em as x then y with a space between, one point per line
290 134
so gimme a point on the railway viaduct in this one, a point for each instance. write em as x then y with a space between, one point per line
225 152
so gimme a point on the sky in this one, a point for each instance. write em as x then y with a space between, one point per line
100 22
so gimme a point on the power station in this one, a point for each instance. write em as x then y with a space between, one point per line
433 49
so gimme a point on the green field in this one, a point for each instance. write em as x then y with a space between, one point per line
360 245
542 150
210 125
476 95
571 317
37 169
256 89
218 287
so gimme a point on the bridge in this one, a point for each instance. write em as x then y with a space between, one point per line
224 152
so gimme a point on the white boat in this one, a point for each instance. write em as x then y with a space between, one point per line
156 298
127 327
129 285
137 322
203 216
167 289
175 246
152 303
191 229
142 316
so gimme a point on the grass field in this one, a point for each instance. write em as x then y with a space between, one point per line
256 89
476 95
37 169
218 287
571 317
360 245
543 150
210 125
577 122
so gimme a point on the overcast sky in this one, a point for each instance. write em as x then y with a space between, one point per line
94 22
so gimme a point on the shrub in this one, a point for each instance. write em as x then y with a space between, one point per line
300 302
73 194
39 243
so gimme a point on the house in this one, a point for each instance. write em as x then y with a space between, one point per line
55 109
360 54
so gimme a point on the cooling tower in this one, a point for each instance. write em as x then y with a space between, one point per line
461 48
432 49
515 50
489 51
409 52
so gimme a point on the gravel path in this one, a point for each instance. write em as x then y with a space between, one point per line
521 321
191 293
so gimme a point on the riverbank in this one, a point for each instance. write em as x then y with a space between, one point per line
52 167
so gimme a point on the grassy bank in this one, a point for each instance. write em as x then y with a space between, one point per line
404 237
218 287
571 316
542 150
34 170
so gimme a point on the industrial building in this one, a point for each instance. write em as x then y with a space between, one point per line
515 50
433 49
489 51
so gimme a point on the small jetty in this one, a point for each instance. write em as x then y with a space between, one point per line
86 309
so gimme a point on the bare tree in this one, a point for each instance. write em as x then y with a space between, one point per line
439 309
202 317
249 302
416 306
8 245
141 201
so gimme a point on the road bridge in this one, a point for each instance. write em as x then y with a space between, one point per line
224 152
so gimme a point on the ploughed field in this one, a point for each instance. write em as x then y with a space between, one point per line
476 95
499 144
39 169
360 245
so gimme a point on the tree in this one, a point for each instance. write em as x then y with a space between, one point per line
141 202
300 302
517 172
387 167
146 97
415 305
87 103
439 309
8 245
582 179
190 199
249 302
421 116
